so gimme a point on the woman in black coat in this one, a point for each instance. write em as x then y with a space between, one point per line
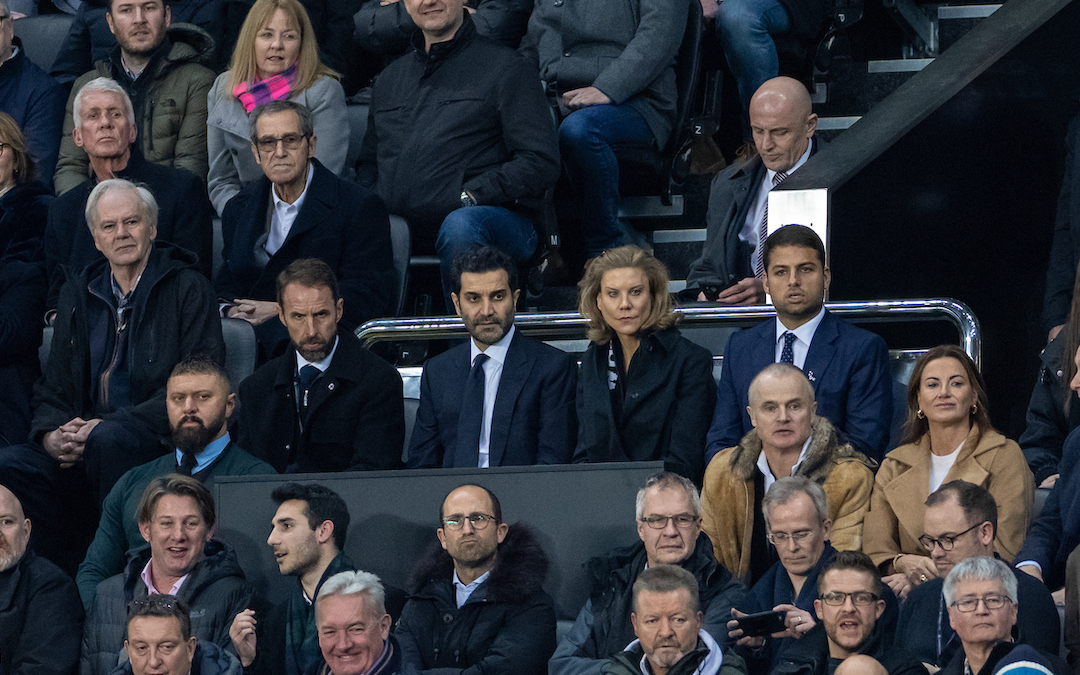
645 392
24 201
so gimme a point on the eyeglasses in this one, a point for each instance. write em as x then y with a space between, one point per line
4 18
989 601
290 141
682 521
947 541
479 521
779 538
858 598
3 145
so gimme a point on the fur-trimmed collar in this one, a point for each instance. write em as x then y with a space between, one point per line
824 452
520 567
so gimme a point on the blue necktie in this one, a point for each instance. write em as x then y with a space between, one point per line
787 354
308 375
471 417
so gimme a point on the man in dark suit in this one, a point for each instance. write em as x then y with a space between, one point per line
326 404
312 214
729 270
847 366
515 404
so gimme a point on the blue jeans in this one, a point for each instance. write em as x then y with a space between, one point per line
585 140
746 28
495 226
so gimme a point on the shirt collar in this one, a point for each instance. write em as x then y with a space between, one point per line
321 365
497 351
763 464
769 173
207 455
147 579
280 203
805 332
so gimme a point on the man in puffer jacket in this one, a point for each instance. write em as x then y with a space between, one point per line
478 605
176 516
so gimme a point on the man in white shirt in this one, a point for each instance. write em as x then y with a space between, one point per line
503 399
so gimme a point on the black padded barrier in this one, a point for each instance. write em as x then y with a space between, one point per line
578 511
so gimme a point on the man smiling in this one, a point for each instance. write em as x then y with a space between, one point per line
354 628
176 517
517 403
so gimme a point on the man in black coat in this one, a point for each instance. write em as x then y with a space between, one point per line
123 323
669 526
478 604
40 613
312 214
522 411
326 404
960 523
106 130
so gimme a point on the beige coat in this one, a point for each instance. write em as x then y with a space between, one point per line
895 521
727 498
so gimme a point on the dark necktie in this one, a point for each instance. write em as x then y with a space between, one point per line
308 375
471 417
763 230
188 463
787 354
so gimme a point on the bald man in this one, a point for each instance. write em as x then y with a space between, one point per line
729 270
41 616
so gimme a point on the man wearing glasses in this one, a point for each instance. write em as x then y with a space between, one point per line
960 523
478 604
300 209
981 594
849 608
668 514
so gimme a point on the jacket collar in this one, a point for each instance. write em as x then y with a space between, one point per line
440 51
914 454
10 578
824 452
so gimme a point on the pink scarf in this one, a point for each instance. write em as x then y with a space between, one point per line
274 88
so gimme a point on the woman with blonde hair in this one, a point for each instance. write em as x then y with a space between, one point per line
24 200
644 391
276 58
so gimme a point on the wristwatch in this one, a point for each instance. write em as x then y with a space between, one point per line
467 199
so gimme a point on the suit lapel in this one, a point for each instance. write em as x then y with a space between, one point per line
822 349
317 206
514 375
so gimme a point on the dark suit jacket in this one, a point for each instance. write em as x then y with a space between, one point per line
356 418
723 257
341 223
1055 532
665 413
848 367
533 421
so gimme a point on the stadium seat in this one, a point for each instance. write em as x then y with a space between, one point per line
42 36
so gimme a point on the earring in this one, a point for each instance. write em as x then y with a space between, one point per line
974 408
920 414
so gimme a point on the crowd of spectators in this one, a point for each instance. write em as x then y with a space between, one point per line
780 504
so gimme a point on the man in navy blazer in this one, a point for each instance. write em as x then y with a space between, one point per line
300 209
847 366
502 399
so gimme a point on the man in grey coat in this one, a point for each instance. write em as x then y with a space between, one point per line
611 67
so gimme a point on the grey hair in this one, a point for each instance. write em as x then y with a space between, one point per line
666 579
983 568
103 84
142 193
785 489
356 583
665 480
307 120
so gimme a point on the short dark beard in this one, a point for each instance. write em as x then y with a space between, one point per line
319 354
195 440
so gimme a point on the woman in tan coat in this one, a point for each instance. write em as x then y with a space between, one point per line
949 437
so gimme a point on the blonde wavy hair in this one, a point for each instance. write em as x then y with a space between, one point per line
661 314
244 68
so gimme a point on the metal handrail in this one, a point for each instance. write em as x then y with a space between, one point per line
571 325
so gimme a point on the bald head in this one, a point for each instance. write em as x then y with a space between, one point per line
782 120
781 408
14 529
780 374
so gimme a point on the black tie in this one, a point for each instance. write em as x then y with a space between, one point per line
188 463
471 417
308 375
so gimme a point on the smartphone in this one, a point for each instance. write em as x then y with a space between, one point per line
762 623
713 291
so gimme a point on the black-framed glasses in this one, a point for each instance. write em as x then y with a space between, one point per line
681 520
780 538
991 601
4 18
858 598
946 542
290 141
479 521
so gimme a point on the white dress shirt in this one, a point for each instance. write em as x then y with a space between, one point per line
284 215
465 591
804 335
749 231
763 465
493 369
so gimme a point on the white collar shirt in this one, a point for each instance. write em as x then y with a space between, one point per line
493 370
763 465
804 335
749 231
284 215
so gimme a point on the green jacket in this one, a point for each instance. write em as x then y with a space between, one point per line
172 131
629 662
118 532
